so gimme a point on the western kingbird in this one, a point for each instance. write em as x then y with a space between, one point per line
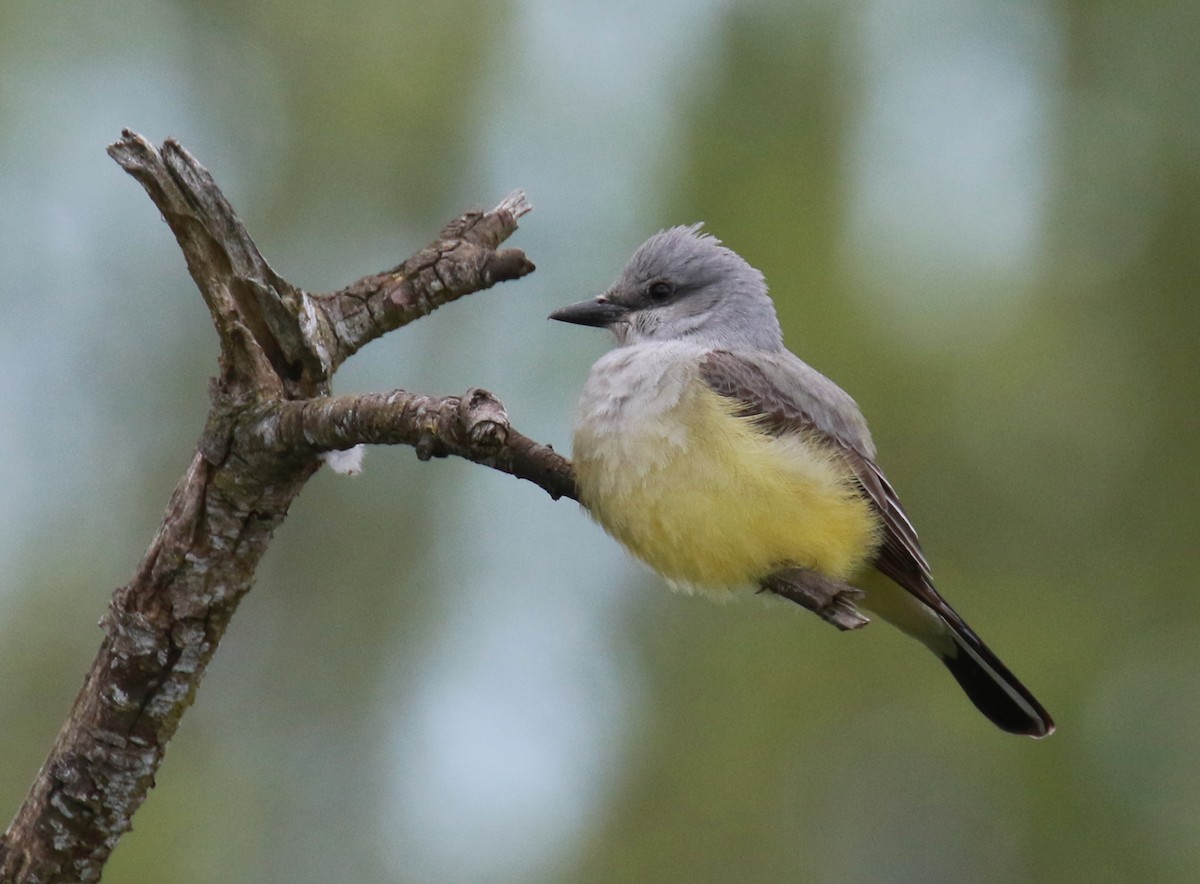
721 460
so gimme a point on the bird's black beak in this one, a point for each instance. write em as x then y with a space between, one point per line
598 312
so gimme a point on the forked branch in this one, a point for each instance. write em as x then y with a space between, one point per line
271 417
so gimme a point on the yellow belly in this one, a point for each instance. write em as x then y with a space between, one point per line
709 501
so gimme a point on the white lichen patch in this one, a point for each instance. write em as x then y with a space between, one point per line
270 437
134 637
310 325
60 803
198 562
169 695
119 698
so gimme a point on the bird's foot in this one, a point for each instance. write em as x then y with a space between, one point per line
831 600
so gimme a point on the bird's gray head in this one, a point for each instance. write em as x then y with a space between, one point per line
682 284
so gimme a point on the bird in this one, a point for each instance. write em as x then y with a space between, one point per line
719 458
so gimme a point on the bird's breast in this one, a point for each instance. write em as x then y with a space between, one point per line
630 410
701 494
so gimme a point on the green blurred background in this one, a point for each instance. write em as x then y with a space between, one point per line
982 218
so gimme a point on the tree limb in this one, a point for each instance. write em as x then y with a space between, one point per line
271 416
462 260
474 426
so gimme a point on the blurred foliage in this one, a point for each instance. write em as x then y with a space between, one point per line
980 219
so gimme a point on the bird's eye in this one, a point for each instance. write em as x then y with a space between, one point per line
661 290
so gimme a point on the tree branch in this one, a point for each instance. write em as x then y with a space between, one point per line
271 416
462 260
474 426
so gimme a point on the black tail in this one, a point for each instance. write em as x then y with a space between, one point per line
992 688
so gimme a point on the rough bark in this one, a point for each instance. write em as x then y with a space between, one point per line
271 417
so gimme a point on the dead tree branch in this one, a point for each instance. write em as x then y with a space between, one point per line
271 417
474 426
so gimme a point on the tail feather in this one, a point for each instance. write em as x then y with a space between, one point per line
987 682
994 690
